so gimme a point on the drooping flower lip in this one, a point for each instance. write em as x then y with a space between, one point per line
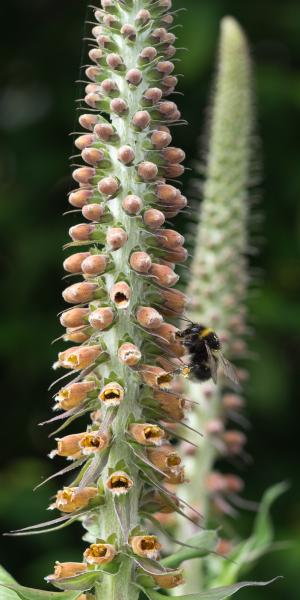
112 394
119 483
145 545
100 554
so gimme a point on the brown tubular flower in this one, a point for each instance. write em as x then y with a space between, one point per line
125 263
145 545
71 498
147 434
167 581
67 569
99 554
119 483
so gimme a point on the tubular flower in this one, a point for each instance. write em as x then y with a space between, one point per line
120 306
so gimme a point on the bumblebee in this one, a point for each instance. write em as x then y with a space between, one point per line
206 357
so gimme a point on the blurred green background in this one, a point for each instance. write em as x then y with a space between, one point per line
40 57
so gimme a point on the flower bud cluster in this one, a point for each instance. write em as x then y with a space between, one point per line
123 307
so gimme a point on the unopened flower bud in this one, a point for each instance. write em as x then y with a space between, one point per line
233 402
141 119
83 141
93 99
73 498
108 86
67 569
74 394
81 232
76 334
91 88
92 442
234 441
170 580
168 238
119 483
79 292
114 61
166 193
148 53
93 73
103 40
119 106
153 218
108 186
140 262
143 16
147 171
165 67
148 317
116 237
170 81
79 358
132 204
95 264
88 121
167 20
80 198
161 139
104 131
128 31
177 256
147 434
145 545
134 76
92 156
159 34
153 95
167 108
156 377
83 174
164 275
120 294
173 171
93 212
72 264
96 54
174 299
129 354
112 394
173 155
99 554
126 155
74 317
224 547
170 51
101 318
109 20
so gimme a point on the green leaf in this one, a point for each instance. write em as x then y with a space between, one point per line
258 544
204 543
6 578
263 531
13 591
214 594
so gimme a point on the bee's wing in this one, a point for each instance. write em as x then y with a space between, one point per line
228 369
213 363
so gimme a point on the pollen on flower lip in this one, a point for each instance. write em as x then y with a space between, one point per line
147 434
119 483
94 442
99 554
